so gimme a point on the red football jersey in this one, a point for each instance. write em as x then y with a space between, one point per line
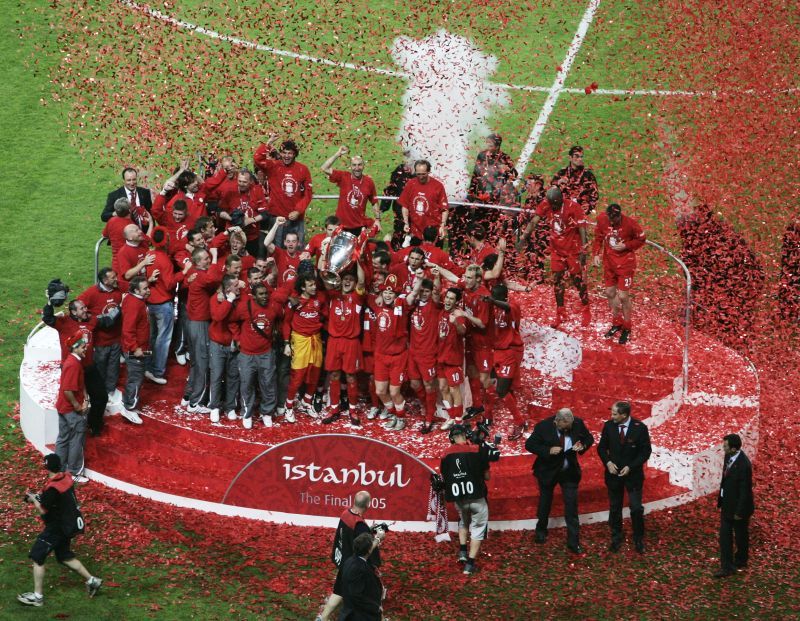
505 327
203 285
307 318
344 313
565 225
135 324
353 196
287 265
66 326
99 302
450 342
425 203
475 306
628 232
289 186
251 203
71 379
391 328
256 325
424 331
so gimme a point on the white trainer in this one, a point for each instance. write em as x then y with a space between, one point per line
154 379
385 414
80 479
131 416
441 412
280 411
247 423
447 424
373 412
267 420
289 416
181 358
231 414
197 409
399 425
390 423
184 403
214 415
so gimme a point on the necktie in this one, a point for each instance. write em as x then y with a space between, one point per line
622 434
133 198
563 439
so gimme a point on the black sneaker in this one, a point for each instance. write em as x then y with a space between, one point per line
624 336
426 429
334 416
473 412
470 568
317 403
355 421
612 331
344 402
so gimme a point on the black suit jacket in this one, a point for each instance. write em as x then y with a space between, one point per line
736 489
545 436
633 453
143 194
361 591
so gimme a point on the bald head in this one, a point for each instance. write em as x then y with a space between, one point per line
132 232
554 196
361 500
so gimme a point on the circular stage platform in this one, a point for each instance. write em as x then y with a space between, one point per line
186 460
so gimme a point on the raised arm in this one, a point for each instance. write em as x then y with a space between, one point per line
327 166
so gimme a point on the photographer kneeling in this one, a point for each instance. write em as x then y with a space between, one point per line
465 470
351 525
59 510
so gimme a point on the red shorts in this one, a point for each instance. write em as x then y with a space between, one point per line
369 362
453 375
391 368
568 262
619 276
481 359
343 354
422 367
507 363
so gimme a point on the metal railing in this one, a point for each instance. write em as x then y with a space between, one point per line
686 274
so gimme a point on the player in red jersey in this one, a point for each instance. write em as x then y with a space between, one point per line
287 259
568 244
424 202
407 273
616 241
478 354
246 207
508 351
313 249
451 327
290 189
302 331
391 352
355 190
343 350
424 344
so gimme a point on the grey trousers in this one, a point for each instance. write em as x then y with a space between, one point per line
106 358
257 368
136 367
197 382
224 365
69 444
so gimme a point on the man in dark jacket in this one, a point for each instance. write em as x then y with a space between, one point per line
557 441
361 586
735 502
59 511
624 448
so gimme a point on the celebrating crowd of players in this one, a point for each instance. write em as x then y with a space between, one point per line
218 271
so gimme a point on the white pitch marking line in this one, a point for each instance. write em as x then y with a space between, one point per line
213 34
558 86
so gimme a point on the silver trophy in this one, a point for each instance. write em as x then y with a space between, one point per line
338 258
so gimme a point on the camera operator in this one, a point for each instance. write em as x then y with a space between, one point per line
465 470
351 525
58 508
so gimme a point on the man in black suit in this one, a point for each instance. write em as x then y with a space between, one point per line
735 502
363 590
624 448
140 199
557 441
